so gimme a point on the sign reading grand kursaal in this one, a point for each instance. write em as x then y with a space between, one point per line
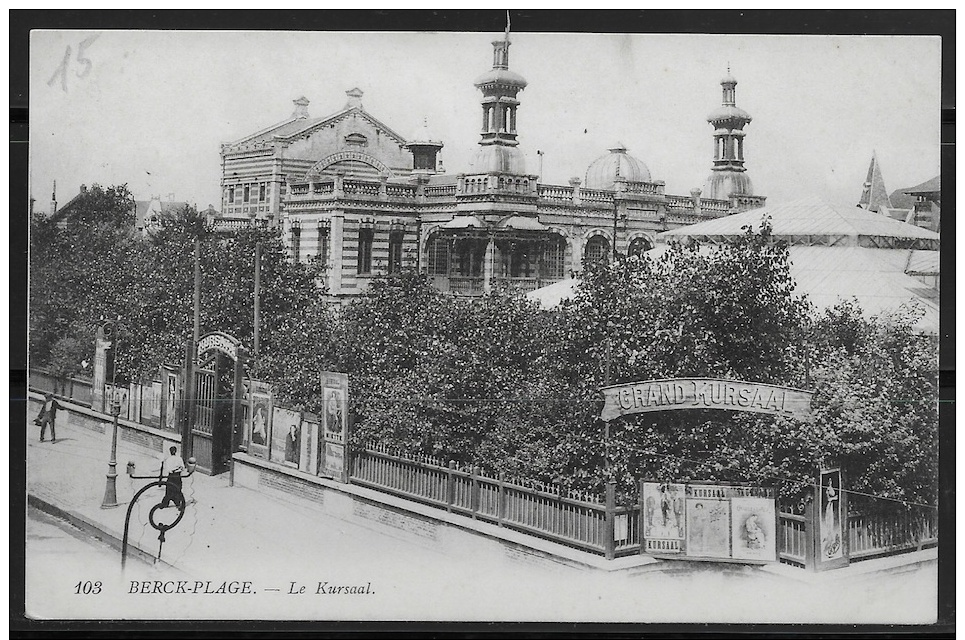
704 393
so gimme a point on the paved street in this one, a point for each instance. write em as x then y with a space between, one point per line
231 536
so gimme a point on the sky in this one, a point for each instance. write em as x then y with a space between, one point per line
151 108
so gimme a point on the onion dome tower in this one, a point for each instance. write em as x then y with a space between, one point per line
498 151
424 150
604 172
728 176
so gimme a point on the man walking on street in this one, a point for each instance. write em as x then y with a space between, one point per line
171 468
48 416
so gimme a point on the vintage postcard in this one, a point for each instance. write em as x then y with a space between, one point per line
502 324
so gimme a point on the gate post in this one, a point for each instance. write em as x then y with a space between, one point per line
501 499
450 487
610 507
641 527
474 490
810 537
187 400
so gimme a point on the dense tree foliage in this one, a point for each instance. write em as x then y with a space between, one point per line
500 383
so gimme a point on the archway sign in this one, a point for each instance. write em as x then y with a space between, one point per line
704 393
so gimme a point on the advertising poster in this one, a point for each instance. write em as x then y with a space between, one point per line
259 424
335 405
334 460
663 517
308 459
831 545
171 393
118 392
708 528
752 528
151 403
285 435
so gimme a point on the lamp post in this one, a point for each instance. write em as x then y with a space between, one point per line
110 328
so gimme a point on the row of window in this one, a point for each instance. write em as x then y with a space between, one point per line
463 257
364 258
249 193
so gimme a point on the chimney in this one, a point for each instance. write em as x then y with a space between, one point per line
354 98
301 107
83 188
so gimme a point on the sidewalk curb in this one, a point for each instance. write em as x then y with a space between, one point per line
109 537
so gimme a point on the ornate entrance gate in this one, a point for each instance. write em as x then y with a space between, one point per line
214 411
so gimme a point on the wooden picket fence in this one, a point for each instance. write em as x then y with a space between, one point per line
574 518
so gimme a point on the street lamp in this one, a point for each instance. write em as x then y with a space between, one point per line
112 329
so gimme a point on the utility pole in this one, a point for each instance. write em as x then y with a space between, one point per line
257 295
197 290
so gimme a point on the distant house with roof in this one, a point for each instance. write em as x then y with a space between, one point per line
919 205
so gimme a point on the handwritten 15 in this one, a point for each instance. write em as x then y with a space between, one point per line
84 63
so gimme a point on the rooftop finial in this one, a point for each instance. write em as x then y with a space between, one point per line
507 25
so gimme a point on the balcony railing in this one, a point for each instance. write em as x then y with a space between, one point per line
466 286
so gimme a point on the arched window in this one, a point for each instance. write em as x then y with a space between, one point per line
639 246
597 250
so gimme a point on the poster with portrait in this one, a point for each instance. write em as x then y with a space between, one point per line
259 418
170 398
831 541
285 435
334 405
752 528
708 528
308 461
663 517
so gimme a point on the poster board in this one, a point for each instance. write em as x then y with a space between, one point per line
170 398
286 428
308 460
151 403
335 421
753 534
258 425
709 521
662 506
831 543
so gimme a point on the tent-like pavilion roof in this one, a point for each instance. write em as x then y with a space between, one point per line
803 221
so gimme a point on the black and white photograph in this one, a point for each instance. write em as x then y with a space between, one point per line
506 323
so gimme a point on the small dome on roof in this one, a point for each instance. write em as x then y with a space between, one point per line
604 171
498 158
423 137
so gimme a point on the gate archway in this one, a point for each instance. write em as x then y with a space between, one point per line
214 416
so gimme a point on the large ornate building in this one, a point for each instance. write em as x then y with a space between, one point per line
350 191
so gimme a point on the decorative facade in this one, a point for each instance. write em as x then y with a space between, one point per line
348 191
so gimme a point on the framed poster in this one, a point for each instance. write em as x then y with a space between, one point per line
831 544
170 398
123 394
151 403
663 517
308 459
708 528
259 418
285 437
335 423
753 529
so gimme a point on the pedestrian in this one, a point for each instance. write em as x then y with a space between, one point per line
171 468
48 416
